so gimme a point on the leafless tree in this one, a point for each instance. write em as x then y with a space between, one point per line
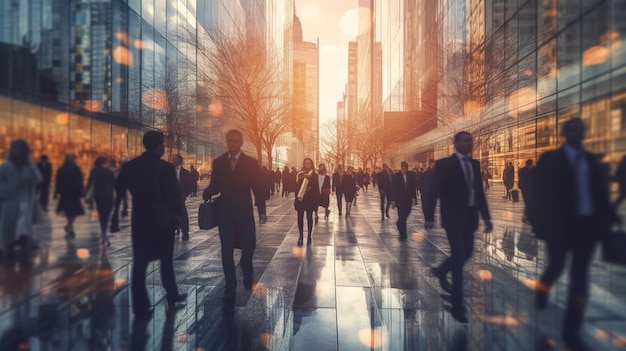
334 141
246 77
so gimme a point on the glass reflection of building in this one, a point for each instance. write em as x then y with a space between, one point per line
92 76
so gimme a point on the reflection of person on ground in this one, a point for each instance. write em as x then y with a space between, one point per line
508 244
323 182
103 182
348 189
458 186
508 178
69 187
195 177
620 178
156 194
384 190
336 187
427 178
571 212
102 306
309 202
286 182
45 169
18 185
234 176
403 196
525 183
186 188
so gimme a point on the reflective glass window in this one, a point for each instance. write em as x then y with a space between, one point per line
568 12
568 57
596 42
616 38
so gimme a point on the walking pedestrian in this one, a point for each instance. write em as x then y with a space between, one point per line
348 188
157 212
69 190
186 188
235 175
336 187
384 190
571 211
18 184
525 183
43 189
508 178
457 184
323 182
403 196
102 181
286 182
307 198
195 177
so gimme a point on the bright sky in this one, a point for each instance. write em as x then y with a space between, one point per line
335 23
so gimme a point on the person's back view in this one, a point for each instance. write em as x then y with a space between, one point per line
620 178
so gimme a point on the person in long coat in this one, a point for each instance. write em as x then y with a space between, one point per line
45 168
508 178
309 202
348 188
157 212
102 180
323 182
69 190
235 176
18 182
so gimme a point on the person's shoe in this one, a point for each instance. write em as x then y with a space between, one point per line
459 314
387 214
443 280
144 316
317 219
262 218
185 237
300 240
402 238
326 214
171 305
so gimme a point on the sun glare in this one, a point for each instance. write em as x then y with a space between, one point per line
355 21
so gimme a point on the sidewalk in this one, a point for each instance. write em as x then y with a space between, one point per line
356 288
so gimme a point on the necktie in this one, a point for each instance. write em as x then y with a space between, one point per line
468 180
233 162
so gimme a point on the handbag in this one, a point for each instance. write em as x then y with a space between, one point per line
208 214
613 247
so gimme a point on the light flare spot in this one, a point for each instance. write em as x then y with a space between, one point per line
528 73
139 44
259 289
92 105
508 320
484 274
122 36
182 338
123 56
62 119
299 252
373 338
119 80
355 22
596 55
265 339
215 108
83 254
418 236
522 100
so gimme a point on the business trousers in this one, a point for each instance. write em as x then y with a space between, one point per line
384 209
44 191
580 244
339 200
141 302
236 232
461 241
404 210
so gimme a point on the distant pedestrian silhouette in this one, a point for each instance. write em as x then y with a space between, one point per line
102 180
336 187
45 169
403 195
508 178
69 190
186 188
525 184
571 212
348 189
384 179
310 199
458 185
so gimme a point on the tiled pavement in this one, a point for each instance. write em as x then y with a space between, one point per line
356 288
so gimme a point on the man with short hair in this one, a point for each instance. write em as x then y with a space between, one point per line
402 196
156 212
458 185
234 176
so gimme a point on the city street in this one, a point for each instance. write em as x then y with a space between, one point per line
356 288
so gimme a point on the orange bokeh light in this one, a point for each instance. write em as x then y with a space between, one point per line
484 274
298 252
122 36
82 254
123 56
609 37
506 320
373 338
216 108
418 236
92 105
119 80
596 55
62 119
522 99
156 99
265 339
139 44
259 289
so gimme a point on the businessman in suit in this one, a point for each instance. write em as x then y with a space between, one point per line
571 212
336 186
151 181
234 175
384 190
185 181
46 176
458 185
403 194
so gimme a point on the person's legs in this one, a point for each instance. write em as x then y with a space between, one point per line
104 213
557 252
43 196
309 221
388 204
184 226
339 204
227 233
141 303
300 226
382 204
247 267
168 277
403 214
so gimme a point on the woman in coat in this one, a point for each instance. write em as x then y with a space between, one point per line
309 201
18 200
508 178
102 179
348 186
69 187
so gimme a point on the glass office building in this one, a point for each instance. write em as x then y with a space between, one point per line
91 76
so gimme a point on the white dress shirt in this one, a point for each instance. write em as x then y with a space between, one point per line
178 173
320 181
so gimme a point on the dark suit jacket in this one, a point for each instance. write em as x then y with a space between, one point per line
103 181
46 172
311 199
336 185
150 180
554 197
236 207
449 186
403 195
186 181
524 178
384 183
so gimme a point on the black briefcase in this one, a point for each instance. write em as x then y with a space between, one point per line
208 214
614 247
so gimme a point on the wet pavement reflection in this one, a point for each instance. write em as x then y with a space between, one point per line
356 288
